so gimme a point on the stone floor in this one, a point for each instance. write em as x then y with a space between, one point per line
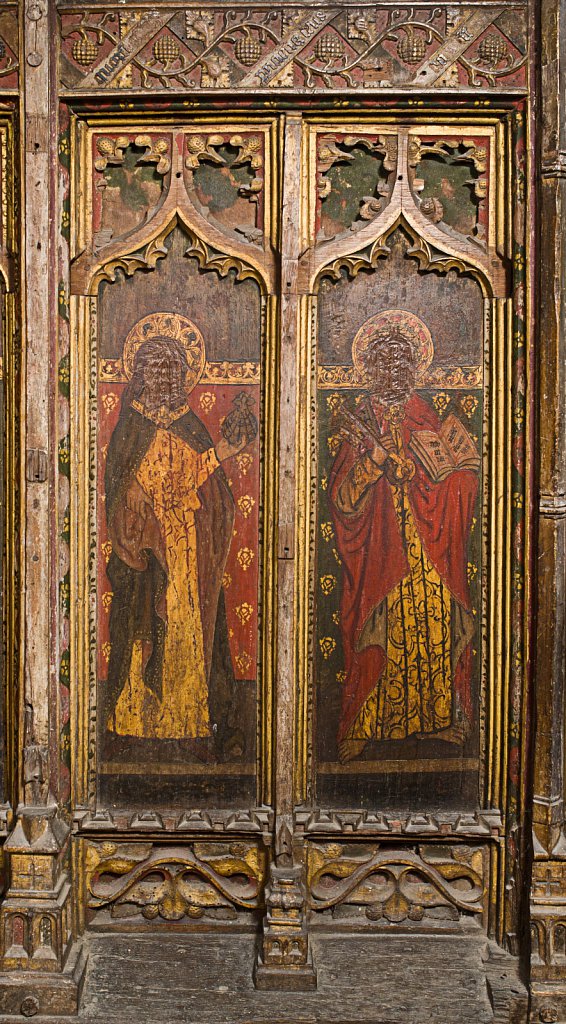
372 978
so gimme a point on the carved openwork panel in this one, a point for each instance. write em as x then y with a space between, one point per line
172 276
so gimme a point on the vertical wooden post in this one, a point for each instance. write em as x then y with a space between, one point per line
43 967
285 960
548 893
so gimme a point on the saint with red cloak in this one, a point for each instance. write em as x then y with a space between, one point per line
402 526
170 516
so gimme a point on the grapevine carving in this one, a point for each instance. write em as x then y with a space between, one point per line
220 47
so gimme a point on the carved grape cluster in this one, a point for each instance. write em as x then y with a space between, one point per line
166 50
492 50
248 51
85 52
411 48
329 47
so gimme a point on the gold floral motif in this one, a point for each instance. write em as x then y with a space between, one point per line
336 618
244 612
472 571
109 401
107 549
327 531
334 442
207 401
106 648
245 558
243 661
226 580
245 505
244 461
469 405
107 599
341 677
327 646
327 583
337 556
334 401
441 401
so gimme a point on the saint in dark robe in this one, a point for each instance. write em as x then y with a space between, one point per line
402 510
170 515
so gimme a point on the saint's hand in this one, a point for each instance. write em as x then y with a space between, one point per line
379 455
137 500
225 450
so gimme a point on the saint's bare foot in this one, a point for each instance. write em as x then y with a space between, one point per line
349 749
457 733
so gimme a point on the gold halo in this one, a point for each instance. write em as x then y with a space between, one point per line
411 325
167 325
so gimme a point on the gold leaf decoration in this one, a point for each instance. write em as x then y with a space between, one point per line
327 646
244 612
327 583
245 505
327 531
245 558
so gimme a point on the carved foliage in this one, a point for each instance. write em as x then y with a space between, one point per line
225 169
396 884
449 180
350 165
129 172
235 46
172 882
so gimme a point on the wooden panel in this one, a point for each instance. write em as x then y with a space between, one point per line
176 663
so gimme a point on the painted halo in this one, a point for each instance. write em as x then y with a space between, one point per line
411 326
167 325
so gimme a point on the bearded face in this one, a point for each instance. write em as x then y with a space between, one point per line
390 367
160 375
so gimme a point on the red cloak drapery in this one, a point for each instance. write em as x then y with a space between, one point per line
374 562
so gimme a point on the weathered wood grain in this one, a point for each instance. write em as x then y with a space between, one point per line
375 979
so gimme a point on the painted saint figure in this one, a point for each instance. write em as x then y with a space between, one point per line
170 516
403 489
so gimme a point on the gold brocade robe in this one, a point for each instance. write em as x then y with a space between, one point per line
170 475
414 692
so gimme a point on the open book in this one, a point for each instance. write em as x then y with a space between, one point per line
452 448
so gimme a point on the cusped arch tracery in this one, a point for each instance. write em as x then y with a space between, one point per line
213 247
434 249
